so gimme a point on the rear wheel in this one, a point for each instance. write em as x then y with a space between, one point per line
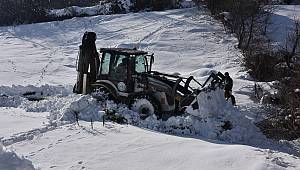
146 106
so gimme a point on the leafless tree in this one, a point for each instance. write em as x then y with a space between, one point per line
292 47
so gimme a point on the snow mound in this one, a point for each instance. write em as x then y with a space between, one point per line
77 11
82 108
50 97
215 119
218 119
211 104
9 160
45 90
101 9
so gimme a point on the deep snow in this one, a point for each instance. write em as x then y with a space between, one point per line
41 58
282 23
9 160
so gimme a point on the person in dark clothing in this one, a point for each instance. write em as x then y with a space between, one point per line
228 82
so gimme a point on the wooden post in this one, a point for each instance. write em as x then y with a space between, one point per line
103 120
77 117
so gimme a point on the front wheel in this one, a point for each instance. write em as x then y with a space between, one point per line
102 94
146 106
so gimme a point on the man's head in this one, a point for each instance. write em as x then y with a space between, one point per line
226 74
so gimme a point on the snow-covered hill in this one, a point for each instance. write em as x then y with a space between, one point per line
282 23
185 41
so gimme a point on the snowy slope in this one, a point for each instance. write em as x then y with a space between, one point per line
187 41
282 22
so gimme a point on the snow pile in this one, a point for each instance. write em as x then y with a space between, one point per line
125 4
25 97
78 11
216 118
9 160
10 101
282 23
211 103
45 90
83 108
187 4
101 9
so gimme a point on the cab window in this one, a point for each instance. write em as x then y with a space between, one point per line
119 67
140 64
105 64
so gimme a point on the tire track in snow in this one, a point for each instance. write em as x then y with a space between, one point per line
35 44
29 135
157 32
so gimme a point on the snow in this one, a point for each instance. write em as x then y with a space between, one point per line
9 160
282 22
127 147
101 9
76 11
41 58
15 116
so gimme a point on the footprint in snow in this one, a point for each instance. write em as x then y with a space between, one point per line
54 166
31 154
59 141
41 149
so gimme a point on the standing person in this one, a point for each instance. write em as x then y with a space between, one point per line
228 82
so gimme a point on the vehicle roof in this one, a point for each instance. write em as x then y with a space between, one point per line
123 51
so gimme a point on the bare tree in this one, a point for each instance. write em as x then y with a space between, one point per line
292 46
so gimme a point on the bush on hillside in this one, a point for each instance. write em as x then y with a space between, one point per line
22 12
248 20
152 5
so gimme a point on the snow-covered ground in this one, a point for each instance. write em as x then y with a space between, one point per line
282 22
185 41
9 160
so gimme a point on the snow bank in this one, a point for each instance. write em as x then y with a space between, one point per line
9 160
20 96
77 11
282 23
216 118
187 4
101 9
84 108
45 90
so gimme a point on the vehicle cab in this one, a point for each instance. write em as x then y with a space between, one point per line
119 68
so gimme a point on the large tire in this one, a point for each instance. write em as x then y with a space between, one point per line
146 106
